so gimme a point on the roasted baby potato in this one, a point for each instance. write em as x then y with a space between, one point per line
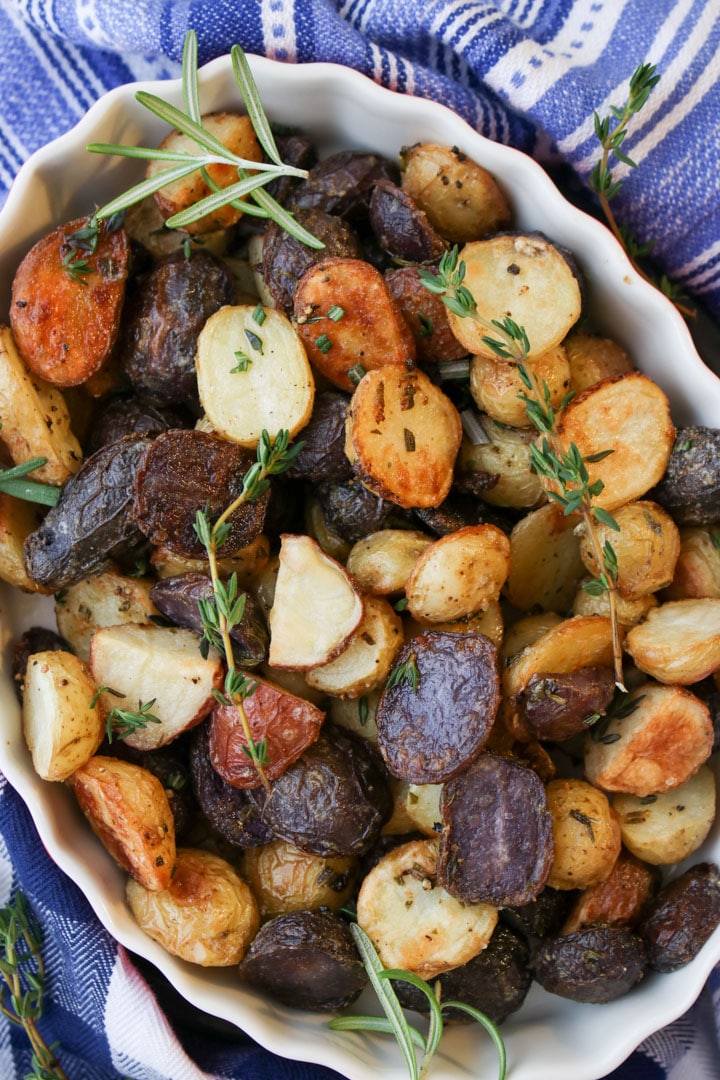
586 835
62 723
593 358
425 314
679 642
128 809
499 391
413 921
283 259
365 662
545 562
647 547
666 828
18 521
505 459
682 917
619 900
207 915
67 296
106 599
697 571
402 229
283 879
594 965
459 574
690 487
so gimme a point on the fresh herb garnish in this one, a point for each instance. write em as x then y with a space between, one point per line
356 374
564 467
248 193
259 315
23 984
12 483
323 343
406 673
255 341
243 362
409 1038
123 722
226 607
335 312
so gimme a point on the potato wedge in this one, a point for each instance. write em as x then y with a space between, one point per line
497 387
65 321
365 662
62 726
593 358
583 641
206 915
412 921
630 415
659 746
459 574
107 599
697 571
647 548
128 809
17 520
371 330
526 278
545 563
506 458
236 132
381 562
403 435
158 664
316 607
679 642
586 834
462 200
666 828
253 374
35 419
283 878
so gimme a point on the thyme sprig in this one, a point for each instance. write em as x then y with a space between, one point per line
395 1022
611 131
119 722
23 984
247 194
225 609
405 674
12 483
564 467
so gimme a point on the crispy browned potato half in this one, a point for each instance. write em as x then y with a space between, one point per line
283 878
365 662
459 574
65 325
679 642
62 723
629 415
668 827
381 562
462 200
234 131
207 915
17 520
403 435
656 748
647 548
106 599
128 809
628 612
371 331
586 834
582 641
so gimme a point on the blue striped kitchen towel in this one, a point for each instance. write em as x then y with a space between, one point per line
526 72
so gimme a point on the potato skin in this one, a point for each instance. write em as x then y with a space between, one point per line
595 965
207 915
284 879
556 706
228 809
690 487
619 900
682 917
305 959
586 835
285 259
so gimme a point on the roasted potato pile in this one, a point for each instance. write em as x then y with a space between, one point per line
421 642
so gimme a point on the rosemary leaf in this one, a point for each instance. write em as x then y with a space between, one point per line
191 94
213 202
251 97
145 187
491 1029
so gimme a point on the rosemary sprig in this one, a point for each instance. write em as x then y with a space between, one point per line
395 1023
564 467
23 982
226 607
11 483
246 194
611 131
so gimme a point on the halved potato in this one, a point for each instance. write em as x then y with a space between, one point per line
489 622
422 803
679 642
647 548
369 329
586 834
618 900
17 520
316 607
62 726
381 562
496 385
593 358
629 415
656 748
505 457
158 664
236 132
583 641
458 574
144 224
412 921
462 200
697 571
108 599
128 809
356 714
403 435
253 375
365 662
545 563
666 828
35 419
526 278
526 631
206 915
